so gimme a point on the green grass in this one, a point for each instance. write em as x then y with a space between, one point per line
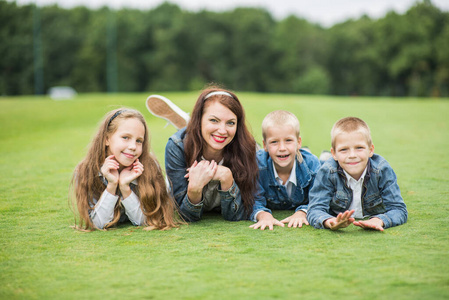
41 257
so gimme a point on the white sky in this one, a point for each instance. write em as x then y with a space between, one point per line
324 12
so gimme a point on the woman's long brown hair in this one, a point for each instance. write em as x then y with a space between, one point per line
239 155
86 184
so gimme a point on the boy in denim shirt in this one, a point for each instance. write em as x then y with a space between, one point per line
286 172
355 184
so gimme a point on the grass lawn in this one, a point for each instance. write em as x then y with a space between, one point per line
41 257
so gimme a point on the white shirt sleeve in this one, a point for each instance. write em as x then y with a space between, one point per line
133 209
103 212
255 216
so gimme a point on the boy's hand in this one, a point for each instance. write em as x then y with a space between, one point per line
374 223
266 219
342 220
296 220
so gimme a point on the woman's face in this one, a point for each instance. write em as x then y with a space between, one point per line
218 127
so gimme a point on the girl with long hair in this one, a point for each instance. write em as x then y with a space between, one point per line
211 163
120 179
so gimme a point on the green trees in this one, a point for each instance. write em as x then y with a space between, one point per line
16 49
410 50
301 50
167 48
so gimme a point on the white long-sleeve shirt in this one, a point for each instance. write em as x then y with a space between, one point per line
103 212
356 187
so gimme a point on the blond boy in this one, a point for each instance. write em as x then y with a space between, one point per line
357 187
286 172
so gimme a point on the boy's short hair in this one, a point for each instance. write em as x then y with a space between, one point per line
348 125
280 118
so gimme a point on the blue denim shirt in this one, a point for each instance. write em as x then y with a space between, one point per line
232 208
381 197
272 195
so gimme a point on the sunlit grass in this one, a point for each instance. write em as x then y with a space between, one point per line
41 257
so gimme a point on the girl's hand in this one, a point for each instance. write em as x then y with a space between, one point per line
109 169
199 174
224 175
127 175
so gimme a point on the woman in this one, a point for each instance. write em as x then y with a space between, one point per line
211 163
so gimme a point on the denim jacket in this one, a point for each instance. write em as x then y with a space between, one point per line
232 208
381 197
272 195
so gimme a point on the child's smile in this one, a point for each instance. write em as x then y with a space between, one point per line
128 155
283 157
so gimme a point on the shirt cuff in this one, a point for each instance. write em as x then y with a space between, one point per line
232 191
197 205
255 215
259 211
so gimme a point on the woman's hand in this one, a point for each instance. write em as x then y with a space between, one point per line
224 175
109 169
199 175
127 175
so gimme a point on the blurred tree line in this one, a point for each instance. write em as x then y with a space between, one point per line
167 48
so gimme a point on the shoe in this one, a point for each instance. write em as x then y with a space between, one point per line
163 108
325 155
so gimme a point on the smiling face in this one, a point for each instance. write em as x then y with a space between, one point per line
126 142
281 143
218 128
352 152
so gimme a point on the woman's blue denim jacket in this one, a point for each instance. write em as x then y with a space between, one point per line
232 208
272 195
381 197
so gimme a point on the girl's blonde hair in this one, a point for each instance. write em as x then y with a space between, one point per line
86 185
